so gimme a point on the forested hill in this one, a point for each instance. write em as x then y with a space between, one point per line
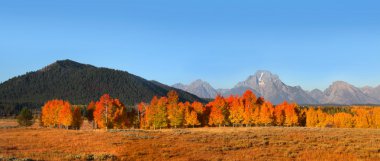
79 84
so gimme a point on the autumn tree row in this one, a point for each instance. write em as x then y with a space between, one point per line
358 117
168 112
248 110
236 111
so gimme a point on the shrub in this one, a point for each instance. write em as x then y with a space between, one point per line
25 118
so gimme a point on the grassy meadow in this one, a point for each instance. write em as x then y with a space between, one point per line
225 143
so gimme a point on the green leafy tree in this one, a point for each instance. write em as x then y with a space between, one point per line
174 111
25 118
160 119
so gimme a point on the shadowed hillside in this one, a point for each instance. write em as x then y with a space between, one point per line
79 83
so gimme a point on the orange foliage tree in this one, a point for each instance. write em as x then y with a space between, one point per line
291 115
65 116
143 112
219 112
200 110
57 113
279 114
266 114
216 117
236 111
110 113
249 103
47 113
119 117
191 116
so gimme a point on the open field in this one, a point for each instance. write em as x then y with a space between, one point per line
256 143
8 123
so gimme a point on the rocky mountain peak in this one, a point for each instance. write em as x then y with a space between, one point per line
341 92
198 87
269 85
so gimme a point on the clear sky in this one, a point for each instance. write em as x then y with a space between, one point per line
307 43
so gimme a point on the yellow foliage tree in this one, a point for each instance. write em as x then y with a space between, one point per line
65 116
236 111
266 114
376 115
362 117
343 120
191 117
311 118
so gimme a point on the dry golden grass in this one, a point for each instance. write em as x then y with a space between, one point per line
256 143
8 123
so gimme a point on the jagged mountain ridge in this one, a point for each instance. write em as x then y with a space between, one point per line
373 92
340 92
264 83
269 85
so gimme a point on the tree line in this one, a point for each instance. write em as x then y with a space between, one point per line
168 112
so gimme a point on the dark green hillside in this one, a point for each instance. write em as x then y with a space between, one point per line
78 83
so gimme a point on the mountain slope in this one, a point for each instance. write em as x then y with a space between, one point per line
372 92
318 95
200 88
269 85
80 83
238 91
343 93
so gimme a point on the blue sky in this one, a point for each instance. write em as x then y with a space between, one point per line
307 43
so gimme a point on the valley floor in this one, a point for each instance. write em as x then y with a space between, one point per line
255 143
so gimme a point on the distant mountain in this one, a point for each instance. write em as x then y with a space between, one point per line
179 86
79 83
238 91
318 95
343 93
222 91
199 88
264 83
372 92
269 85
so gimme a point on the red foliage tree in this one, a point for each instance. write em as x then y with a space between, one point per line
110 113
77 118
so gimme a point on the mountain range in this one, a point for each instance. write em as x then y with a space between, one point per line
264 83
79 84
